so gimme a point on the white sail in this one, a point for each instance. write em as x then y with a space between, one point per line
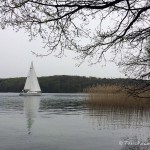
32 87
32 83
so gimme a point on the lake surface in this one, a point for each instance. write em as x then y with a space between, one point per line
65 122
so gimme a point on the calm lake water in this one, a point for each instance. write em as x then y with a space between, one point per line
64 122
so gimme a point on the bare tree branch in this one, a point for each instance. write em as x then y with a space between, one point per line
89 28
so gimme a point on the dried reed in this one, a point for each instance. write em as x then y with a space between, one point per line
115 96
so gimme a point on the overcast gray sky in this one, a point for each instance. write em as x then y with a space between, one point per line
16 56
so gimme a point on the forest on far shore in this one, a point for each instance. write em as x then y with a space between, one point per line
63 83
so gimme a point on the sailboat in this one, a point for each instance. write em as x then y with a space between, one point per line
32 87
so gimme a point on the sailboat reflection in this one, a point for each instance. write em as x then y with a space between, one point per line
31 106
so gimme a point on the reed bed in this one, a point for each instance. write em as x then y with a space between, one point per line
115 96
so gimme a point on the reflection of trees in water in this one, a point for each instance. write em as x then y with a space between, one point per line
124 122
120 117
62 103
31 106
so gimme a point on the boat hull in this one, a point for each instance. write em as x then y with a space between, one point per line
30 94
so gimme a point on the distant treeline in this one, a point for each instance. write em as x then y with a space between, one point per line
63 83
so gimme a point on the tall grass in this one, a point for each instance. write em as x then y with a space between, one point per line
113 95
